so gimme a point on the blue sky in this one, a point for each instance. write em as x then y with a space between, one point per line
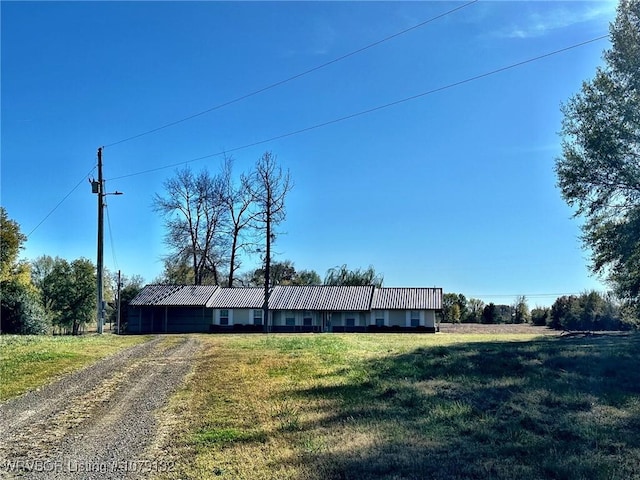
453 189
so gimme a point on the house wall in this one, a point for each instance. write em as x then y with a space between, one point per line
237 316
199 319
154 319
397 318
402 318
342 319
294 321
430 319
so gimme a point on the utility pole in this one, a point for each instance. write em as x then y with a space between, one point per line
97 186
100 274
267 272
118 314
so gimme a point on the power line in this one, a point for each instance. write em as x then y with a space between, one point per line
62 201
371 110
281 82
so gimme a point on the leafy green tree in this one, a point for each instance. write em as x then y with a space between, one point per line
41 267
540 316
490 314
341 275
282 273
588 311
520 309
454 313
11 242
71 290
474 310
453 306
599 170
306 277
564 313
20 310
505 314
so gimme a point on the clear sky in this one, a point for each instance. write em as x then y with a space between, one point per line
455 188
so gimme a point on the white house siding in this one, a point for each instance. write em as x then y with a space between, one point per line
430 319
279 321
242 317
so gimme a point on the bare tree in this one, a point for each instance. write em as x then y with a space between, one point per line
269 186
195 216
238 199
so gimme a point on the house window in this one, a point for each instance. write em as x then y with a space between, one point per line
307 319
290 321
415 318
257 317
379 322
350 322
224 317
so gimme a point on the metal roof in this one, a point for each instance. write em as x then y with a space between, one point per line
174 295
237 298
293 297
321 297
407 298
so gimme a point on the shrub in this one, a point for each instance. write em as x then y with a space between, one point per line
21 312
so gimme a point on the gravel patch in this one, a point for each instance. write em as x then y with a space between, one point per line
99 422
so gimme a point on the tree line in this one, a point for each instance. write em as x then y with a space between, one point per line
589 311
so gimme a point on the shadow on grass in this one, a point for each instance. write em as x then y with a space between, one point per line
550 408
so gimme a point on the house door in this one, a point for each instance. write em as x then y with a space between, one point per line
326 321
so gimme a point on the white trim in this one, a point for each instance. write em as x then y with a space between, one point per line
253 316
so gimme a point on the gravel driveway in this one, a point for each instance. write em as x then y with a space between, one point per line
99 422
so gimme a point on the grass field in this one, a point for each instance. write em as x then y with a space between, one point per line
385 406
29 361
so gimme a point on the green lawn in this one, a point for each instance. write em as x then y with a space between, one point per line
385 406
29 361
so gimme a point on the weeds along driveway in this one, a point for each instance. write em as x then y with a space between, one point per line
98 422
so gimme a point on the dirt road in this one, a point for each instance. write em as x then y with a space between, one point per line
98 423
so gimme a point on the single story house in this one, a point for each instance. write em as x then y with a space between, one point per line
313 308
